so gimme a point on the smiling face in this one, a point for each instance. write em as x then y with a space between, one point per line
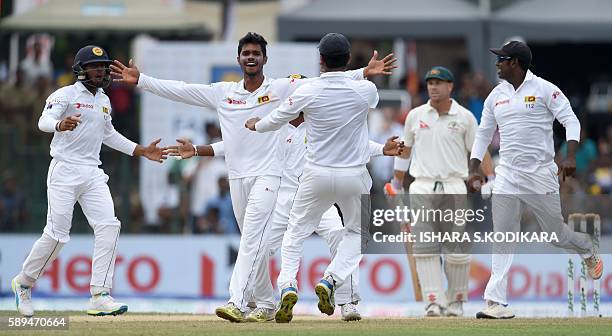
439 90
98 74
252 59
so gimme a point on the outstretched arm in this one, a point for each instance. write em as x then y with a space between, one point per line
185 149
192 94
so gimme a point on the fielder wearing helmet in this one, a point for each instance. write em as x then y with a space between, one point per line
91 67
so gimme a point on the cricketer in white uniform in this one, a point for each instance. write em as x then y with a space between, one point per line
79 115
331 227
253 160
524 107
335 110
439 136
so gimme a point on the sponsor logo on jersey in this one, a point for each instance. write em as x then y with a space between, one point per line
234 101
502 102
81 105
530 99
50 105
556 94
422 124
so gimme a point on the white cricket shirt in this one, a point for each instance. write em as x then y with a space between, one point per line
293 149
440 144
246 153
335 112
525 118
82 145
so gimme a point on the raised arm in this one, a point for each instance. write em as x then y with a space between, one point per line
192 94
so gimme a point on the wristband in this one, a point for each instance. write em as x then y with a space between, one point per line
195 149
401 164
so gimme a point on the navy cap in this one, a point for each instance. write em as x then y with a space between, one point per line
516 49
334 44
91 54
441 73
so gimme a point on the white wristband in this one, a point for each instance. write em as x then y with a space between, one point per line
195 148
401 164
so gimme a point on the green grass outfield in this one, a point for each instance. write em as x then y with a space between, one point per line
184 324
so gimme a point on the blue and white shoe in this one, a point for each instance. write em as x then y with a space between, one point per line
103 304
325 291
23 298
289 298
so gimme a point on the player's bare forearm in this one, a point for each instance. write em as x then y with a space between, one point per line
205 150
474 165
487 165
572 148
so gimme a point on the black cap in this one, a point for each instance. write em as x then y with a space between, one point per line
334 44
91 54
516 49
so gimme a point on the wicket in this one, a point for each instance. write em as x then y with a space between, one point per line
579 221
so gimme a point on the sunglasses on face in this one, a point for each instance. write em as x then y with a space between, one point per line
503 58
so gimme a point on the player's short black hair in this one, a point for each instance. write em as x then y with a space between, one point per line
253 38
523 64
336 61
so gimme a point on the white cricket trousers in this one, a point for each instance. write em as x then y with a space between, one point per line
67 184
330 229
253 200
538 192
321 187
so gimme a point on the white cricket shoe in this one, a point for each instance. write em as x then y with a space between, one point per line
433 310
103 304
495 310
23 298
455 309
260 315
349 312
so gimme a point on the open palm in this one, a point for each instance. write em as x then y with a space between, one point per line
125 74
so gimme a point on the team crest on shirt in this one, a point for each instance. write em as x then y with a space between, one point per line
267 98
530 101
263 99
423 125
105 110
454 126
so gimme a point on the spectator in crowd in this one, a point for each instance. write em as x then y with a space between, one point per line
42 89
66 75
210 223
223 202
382 167
600 173
13 212
586 153
16 104
36 64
